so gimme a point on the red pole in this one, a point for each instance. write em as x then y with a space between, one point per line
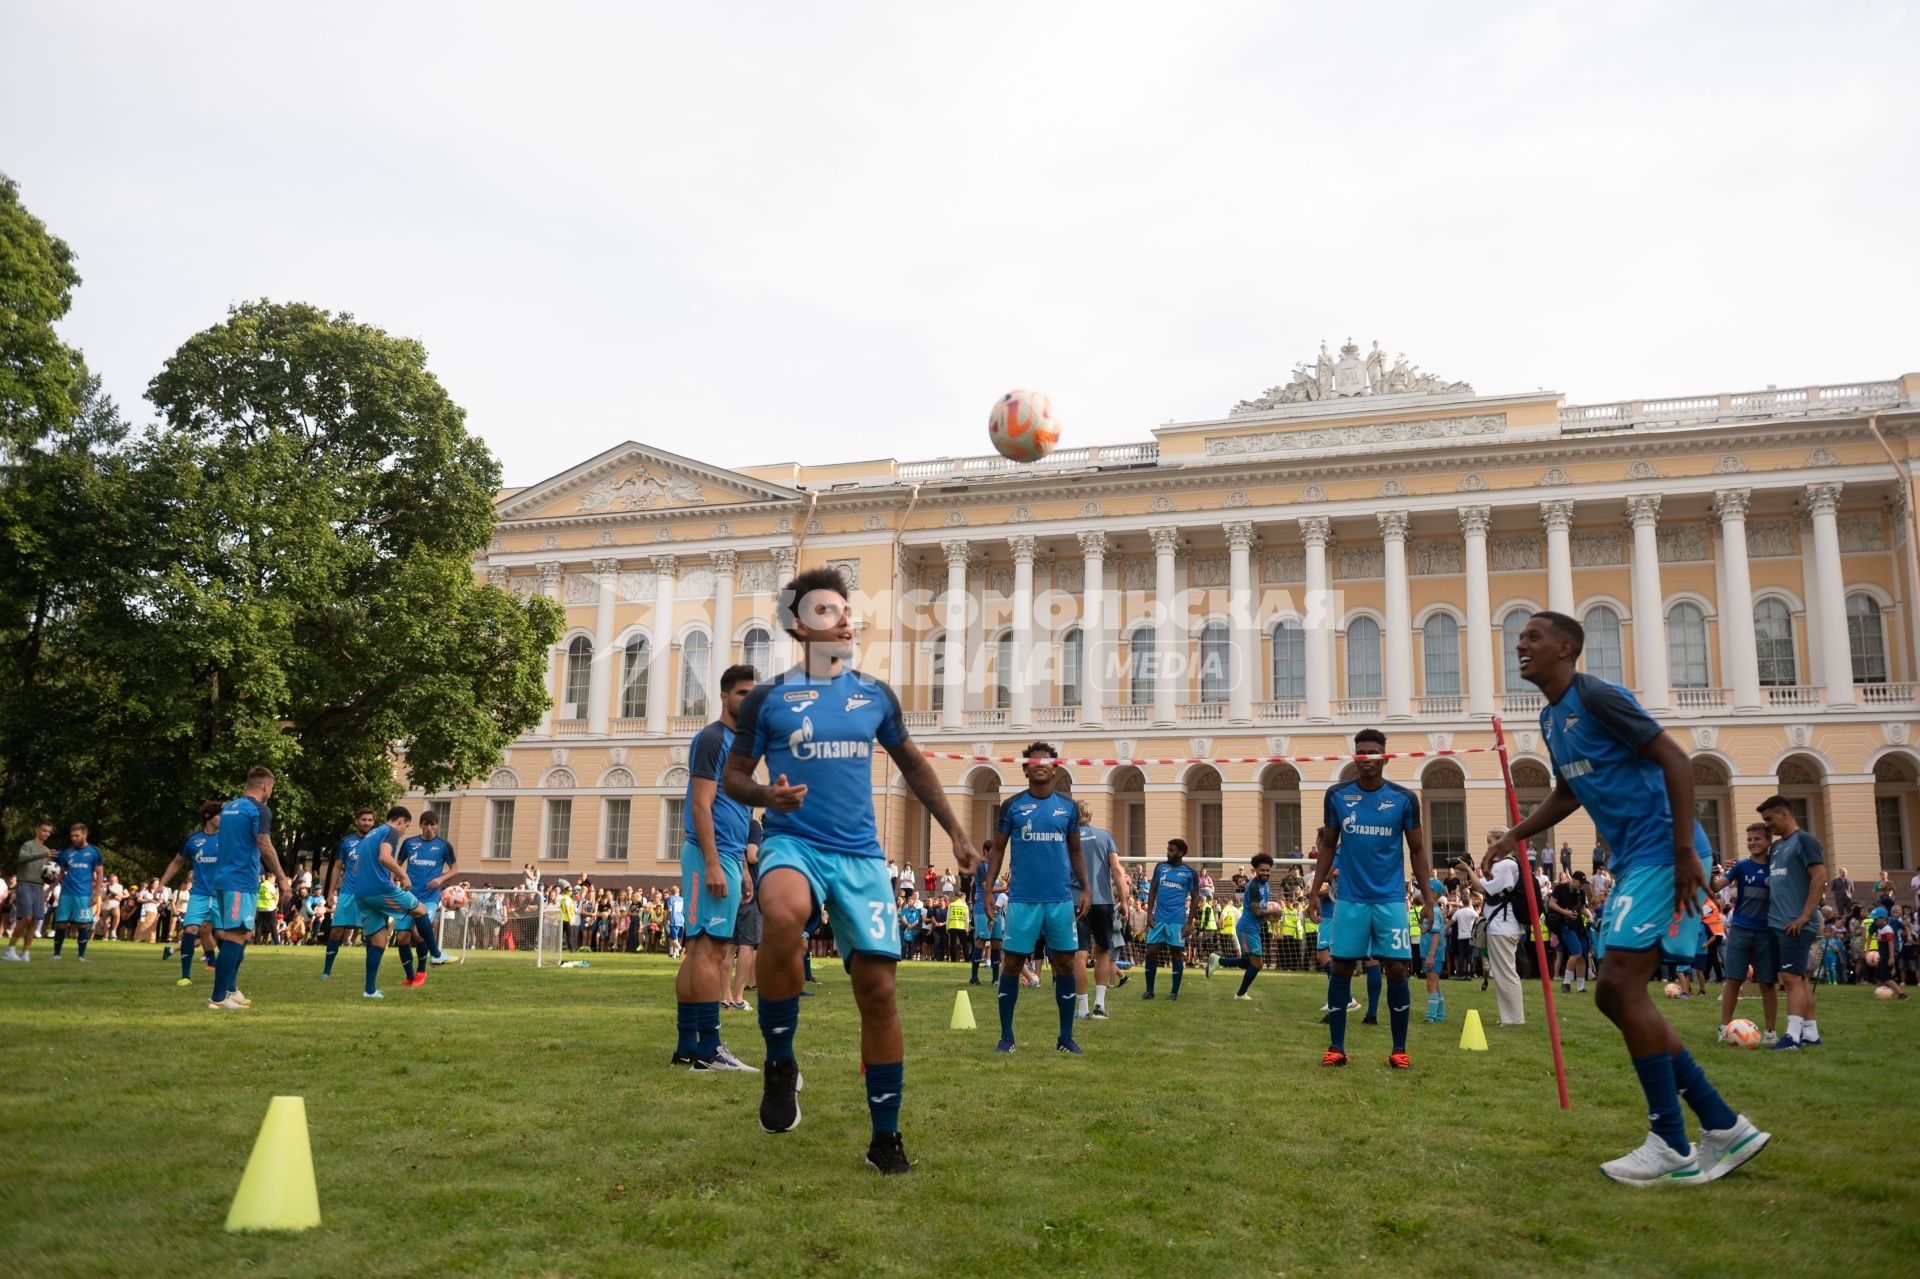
1533 903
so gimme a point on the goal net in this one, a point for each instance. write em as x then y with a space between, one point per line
1287 941
503 920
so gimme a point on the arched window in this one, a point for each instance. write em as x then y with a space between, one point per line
579 686
1289 662
1215 662
1363 657
1866 639
1071 654
756 650
1687 646
1440 640
1773 642
1140 666
1603 654
1510 627
693 674
633 679
1003 671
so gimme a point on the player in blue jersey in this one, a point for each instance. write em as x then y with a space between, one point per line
430 866
713 883
1321 910
1256 904
816 726
197 856
1365 822
1749 945
346 911
81 883
989 925
1796 881
1037 837
245 842
383 895
1107 882
1173 903
1636 784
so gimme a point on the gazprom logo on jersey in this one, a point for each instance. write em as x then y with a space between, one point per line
802 746
1578 768
1029 835
1353 826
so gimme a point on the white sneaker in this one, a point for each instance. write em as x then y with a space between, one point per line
239 998
1769 1037
1213 966
56 957
723 1060
10 956
226 1005
1653 1163
1720 1152
1353 1005
1723 1034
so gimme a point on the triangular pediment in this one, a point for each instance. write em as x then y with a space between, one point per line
630 478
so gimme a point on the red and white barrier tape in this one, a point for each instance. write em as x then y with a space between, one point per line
1244 759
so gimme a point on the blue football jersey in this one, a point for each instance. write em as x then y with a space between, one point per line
77 869
242 822
822 733
1036 831
1594 735
1372 854
1176 884
1253 897
731 818
425 859
1750 891
369 878
201 853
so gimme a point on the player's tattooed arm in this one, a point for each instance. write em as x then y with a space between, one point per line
264 842
925 785
738 782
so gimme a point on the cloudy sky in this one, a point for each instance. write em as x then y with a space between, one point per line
820 232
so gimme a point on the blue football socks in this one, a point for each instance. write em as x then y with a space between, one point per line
706 1017
374 954
1373 992
1009 996
86 935
1339 995
406 959
1246 980
689 1029
186 959
1691 1081
1663 1099
1152 970
1399 1012
1064 996
333 952
885 1082
1179 970
779 1019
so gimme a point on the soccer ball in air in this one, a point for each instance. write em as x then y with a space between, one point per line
1672 991
1022 426
1742 1033
1883 992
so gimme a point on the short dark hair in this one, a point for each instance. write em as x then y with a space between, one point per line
259 773
1178 843
209 810
398 811
1772 802
429 818
1371 735
74 826
734 675
1261 859
1041 748
1757 826
1568 628
363 812
787 603
44 821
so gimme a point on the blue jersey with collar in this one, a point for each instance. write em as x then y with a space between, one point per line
369 878
425 859
1036 830
343 856
1177 884
1594 736
201 853
242 822
1372 853
821 733
677 910
1253 898
910 917
732 820
77 869
1750 891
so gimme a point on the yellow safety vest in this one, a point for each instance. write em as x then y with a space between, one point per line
1290 920
1228 918
957 914
1207 917
1413 924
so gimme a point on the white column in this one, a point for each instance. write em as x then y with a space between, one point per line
1240 617
1830 596
1474 522
1736 601
784 655
1399 639
725 565
1096 630
556 655
659 674
1649 622
1166 541
600 705
953 691
1317 620
900 672
1557 516
1020 683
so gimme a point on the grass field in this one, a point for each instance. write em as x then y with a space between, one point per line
508 1121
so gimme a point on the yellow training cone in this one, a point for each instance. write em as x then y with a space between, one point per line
962 1013
277 1190
1472 1038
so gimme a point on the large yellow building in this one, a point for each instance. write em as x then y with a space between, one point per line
1355 548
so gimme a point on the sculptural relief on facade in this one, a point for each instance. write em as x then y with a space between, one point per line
1681 543
1598 548
1285 565
1136 574
849 569
1513 552
1360 560
1862 531
1329 437
1208 570
638 490
1351 375
1438 559
1770 537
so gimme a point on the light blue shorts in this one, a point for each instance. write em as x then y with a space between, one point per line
73 909
395 907
856 891
1436 942
1640 915
1029 922
1167 935
346 913
989 930
200 908
233 912
1249 941
1371 930
714 917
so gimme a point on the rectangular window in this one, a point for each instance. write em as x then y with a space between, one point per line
633 681
1070 670
619 818
1136 829
559 829
500 828
1707 813
1802 817
674 834
1211 844
1866 640
1286 829
1892 827
1447 829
